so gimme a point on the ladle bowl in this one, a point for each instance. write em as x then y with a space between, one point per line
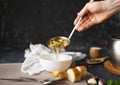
58 42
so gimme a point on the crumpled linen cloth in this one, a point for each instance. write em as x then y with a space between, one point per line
31 64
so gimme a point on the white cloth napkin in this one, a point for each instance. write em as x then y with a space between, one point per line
32 66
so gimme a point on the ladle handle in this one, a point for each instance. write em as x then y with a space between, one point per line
76 25
74 28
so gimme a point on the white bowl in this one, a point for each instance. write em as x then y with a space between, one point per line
50 63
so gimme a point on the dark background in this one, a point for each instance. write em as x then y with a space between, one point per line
36 21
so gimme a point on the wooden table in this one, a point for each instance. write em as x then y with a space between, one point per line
12 70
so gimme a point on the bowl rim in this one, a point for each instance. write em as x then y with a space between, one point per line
41 58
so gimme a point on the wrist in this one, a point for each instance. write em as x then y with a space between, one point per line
113 6
116 4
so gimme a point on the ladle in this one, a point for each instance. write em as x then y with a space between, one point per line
74 28
57 41
67 39
76 25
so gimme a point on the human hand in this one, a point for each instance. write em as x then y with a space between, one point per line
95 13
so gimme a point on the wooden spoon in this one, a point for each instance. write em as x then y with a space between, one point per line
96 60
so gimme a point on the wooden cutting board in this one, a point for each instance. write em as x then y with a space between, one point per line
111 68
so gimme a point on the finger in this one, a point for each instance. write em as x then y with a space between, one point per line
81 14
76 20
84 19
85 26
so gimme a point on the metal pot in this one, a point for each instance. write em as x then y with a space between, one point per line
114 49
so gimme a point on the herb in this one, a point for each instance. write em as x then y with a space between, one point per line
113 82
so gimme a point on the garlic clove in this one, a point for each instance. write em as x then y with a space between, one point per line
92 81
101 82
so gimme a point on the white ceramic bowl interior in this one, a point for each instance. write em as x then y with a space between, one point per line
50 62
